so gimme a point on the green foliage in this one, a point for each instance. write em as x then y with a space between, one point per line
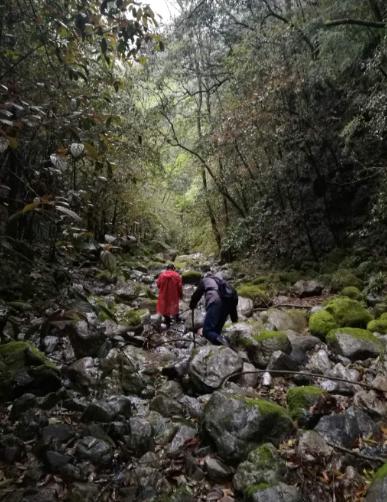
266 335
381 473
352 292
256 293
343 278
379 325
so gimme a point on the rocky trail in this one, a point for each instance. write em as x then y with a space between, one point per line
99 404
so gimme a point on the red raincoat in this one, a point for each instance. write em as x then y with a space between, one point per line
170 291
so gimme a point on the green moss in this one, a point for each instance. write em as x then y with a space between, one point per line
250 490
348 312
300 399
381 473
352 292
255 292
321 322
15 354
134 318
361 334
378 325
191 277
266 408
343 278
265 335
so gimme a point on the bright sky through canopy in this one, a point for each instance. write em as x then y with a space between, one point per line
167 9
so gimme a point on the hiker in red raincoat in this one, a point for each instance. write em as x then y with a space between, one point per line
170 292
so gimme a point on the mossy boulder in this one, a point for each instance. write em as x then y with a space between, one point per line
236 424
321 323
343 278
255 292
377 492
263 468
264 343
378 325
300 399
354 343
134 318
352 292
23 368
348 312
191 277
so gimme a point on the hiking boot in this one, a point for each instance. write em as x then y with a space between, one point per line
222 340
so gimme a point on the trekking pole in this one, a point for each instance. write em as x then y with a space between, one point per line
193 327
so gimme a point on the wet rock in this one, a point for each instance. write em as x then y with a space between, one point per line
107 410
183 434
140 439
56 461
95 450
369 401
172 389
304 289
116 430
163 428
280 492
249 379
166 406
263 465
281 361
217 470
56 434
282 320
24 369
12 449
312 446
84 372
49 343
354 343
85 340
192 406
30 424
210 365
21 404
347 428
237 424
83 492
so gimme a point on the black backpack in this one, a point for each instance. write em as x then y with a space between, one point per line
226 292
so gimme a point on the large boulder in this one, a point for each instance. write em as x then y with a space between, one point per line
210 365
86 340
237 425
304 289
277 493
348 312
354 343
23 368
292 319
300 399
321 323
264 344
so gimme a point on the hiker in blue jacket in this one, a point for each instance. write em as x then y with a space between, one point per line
221 300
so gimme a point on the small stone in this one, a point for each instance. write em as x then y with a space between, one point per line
183 434
217 470
311 446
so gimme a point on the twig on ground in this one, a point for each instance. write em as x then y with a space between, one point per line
356 453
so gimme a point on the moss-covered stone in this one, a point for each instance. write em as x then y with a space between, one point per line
343 278
352 292
354 343
381 473
20 357
348 312
264 344
378 325
135 317
300 399
255 292
251 489
191 277
321 323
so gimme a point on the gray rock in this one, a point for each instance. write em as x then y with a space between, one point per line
277 493
312 446
198 320
355 348
380 382
369 401
347 428
319 362
249 379
163 429
56 460
210 365
166 406
85 340
95 450
377 492
21 404
245 307
237 425
263 465
12 449
84 372
83 492
281 361
140 439
192 406
261 351
183 434
55 434
282 320
128 292
217 470
340 371
107 410
307 288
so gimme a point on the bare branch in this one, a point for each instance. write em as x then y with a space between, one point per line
355 22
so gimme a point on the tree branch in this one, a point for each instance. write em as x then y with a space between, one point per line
355 22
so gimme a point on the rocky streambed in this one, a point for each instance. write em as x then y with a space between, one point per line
99 404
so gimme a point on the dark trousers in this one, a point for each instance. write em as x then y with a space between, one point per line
216 316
